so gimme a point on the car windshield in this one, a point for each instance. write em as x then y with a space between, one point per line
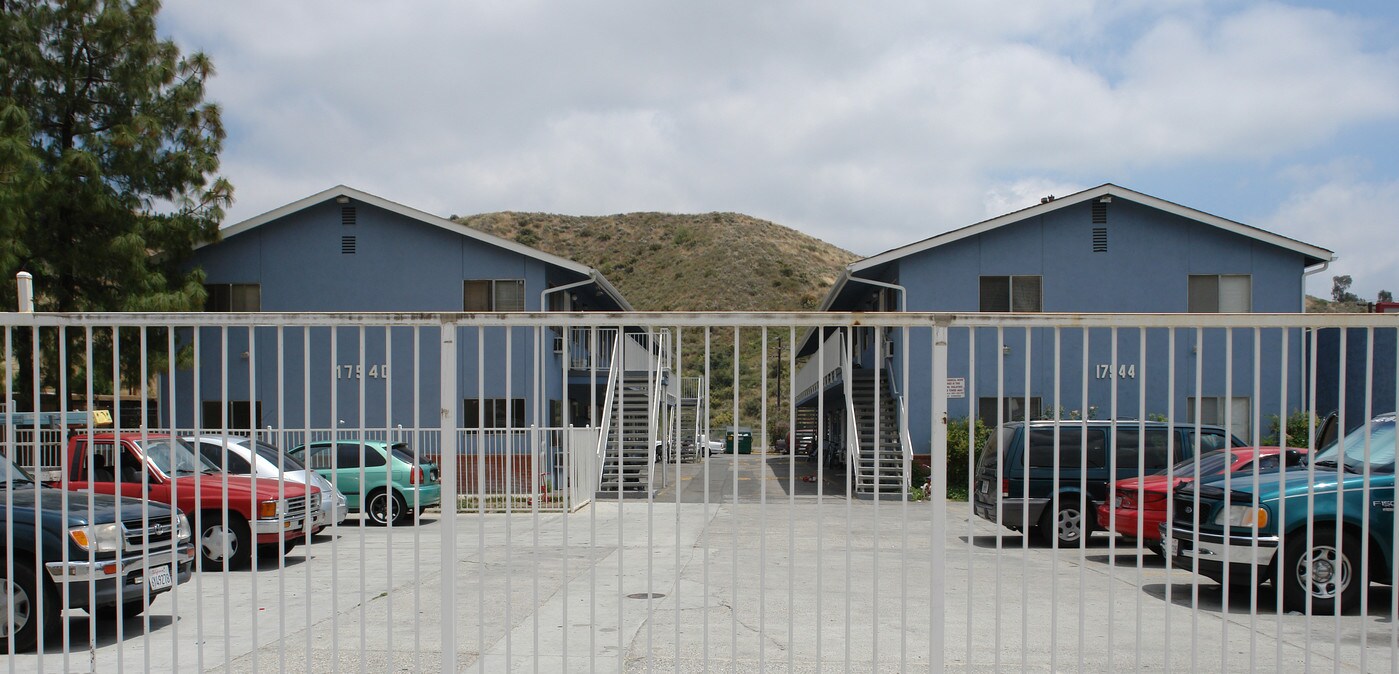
1349 452
11 474
276 457
1212 463
175 457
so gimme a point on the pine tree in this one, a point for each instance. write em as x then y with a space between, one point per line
108 158
116 182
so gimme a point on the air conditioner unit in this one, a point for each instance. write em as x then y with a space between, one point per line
888 349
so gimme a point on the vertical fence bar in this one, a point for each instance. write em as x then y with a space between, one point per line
937 553
447 443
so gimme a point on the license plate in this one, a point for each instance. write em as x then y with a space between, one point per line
983 486
159 578
1172 547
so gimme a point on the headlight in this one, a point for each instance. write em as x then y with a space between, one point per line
183 532
98 538
267 510
1242 516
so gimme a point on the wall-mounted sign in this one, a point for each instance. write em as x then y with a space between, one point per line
956 387
357 372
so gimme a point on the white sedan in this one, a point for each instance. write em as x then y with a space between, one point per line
247 456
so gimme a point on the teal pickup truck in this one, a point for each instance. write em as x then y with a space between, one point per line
1319 533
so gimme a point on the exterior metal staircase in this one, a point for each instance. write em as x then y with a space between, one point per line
879 458
629 448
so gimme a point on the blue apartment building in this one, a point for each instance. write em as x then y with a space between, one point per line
344 250
1105 249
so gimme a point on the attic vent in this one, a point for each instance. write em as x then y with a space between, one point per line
1100 239
347 245
1100 213
347 215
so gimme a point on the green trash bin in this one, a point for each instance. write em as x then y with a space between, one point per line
745 441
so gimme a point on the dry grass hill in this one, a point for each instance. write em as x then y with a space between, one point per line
669 262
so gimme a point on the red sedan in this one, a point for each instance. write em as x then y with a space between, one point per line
1147 495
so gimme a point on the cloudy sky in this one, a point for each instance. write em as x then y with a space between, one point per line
869 125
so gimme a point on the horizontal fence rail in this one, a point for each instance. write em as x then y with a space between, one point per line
682 491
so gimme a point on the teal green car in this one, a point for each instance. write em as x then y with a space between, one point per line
379 474
1320 533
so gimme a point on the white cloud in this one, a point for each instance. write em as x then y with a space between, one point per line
1354 219
869 128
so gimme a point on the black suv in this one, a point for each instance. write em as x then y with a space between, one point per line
62 549
1059 505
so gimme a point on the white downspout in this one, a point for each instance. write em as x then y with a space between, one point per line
543 296
1317 269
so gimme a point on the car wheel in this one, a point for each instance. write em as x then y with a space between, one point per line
21 594
1328 576
1066 524
224 544
125 611
386 506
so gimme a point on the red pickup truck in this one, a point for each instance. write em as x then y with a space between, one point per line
265 512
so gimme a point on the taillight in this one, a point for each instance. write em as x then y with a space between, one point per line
1005 488
1153 496
415 476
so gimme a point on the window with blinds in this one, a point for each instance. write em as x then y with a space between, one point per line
233 297
494 295
1220 294
1012 293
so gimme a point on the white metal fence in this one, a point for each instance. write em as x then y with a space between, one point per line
1022 424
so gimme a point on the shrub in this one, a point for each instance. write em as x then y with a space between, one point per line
1296 429
959 446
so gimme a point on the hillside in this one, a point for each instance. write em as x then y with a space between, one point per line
668 262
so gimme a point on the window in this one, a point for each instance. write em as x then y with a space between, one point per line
492 295
1071 447
242 414
1012 409
1210 441
214 452
494 413
347 455
1132 447
1212 411
1220 294
233 297
320 457
1011 293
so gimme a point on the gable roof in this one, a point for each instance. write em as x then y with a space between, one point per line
427 218
1312 254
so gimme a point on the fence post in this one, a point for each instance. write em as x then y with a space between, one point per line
938 471
448 459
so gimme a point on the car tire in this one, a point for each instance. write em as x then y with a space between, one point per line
1065 523
27 590
224 544
1319 571
385 506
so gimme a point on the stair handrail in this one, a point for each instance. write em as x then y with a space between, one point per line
660 340
606 424
905 439
852 427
